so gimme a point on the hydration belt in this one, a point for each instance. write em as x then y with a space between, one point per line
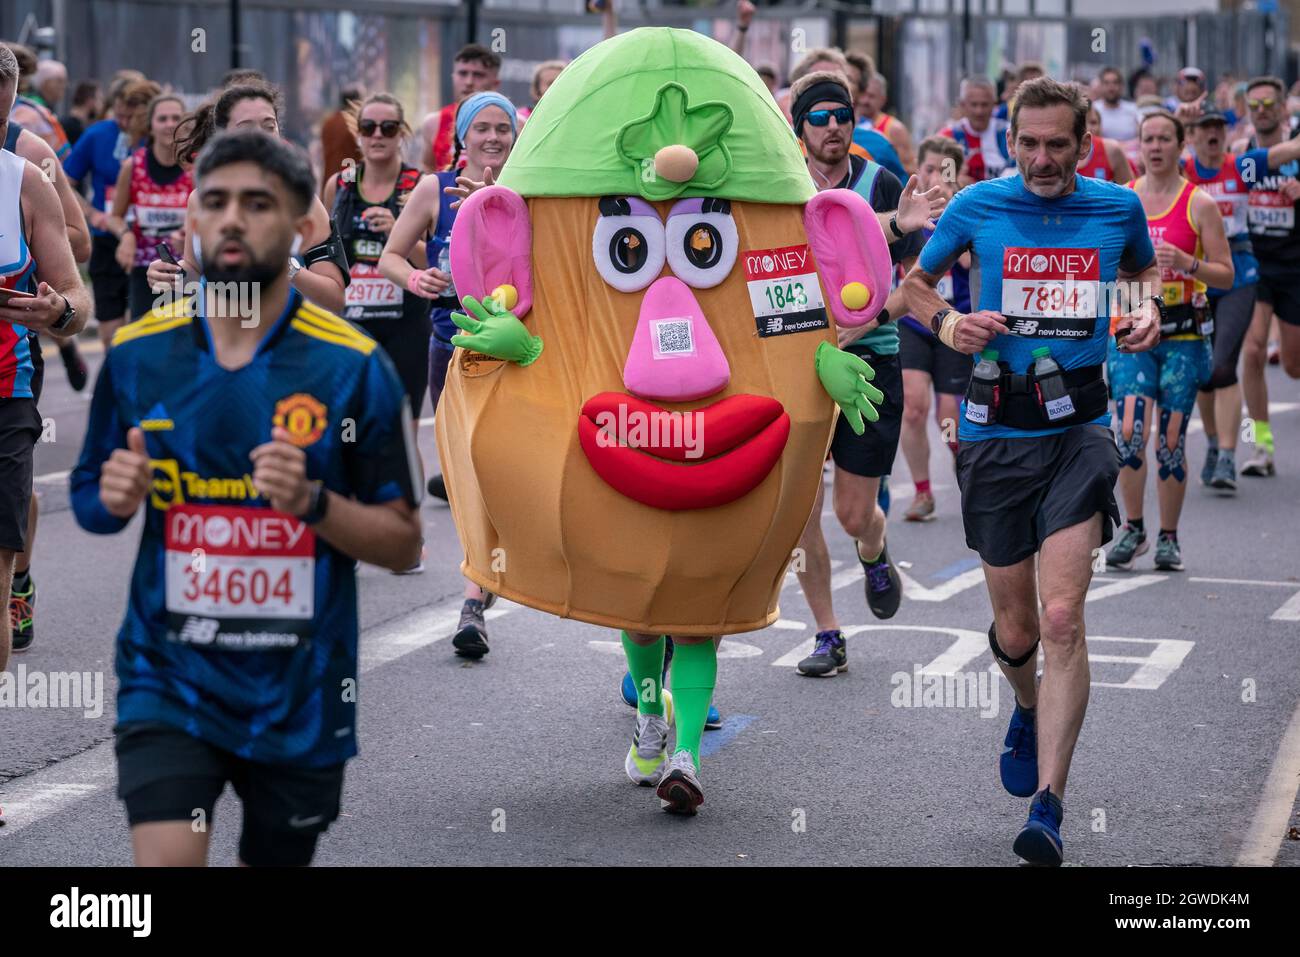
1018 405
1187 319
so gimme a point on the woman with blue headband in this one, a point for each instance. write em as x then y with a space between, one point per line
486 124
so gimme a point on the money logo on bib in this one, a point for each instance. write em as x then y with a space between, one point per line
1050 293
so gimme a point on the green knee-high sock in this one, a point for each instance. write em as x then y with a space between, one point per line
646 665
695 672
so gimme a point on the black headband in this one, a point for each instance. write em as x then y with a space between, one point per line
817 93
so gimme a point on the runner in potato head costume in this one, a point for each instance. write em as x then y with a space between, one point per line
635 422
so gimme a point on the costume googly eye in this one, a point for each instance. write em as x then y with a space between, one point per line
702 241
628 244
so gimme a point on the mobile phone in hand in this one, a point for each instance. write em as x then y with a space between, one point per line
166 255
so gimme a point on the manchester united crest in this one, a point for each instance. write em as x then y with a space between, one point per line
302 416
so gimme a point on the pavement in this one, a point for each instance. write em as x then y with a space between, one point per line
1189 755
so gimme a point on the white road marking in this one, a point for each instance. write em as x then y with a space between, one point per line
788 625
1244 581
1269 826
1152 671
1110 589
30 799
914 590
1290 610
1274 408
53 477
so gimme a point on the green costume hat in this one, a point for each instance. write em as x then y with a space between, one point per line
661 114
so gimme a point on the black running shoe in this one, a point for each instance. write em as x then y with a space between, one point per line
829 657
78 374
22 611
884 587
437 488
471 635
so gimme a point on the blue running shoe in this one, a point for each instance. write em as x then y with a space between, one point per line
714 719
1019 762
1039 842
629 690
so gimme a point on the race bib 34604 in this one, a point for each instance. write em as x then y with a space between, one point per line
238 579
1049 292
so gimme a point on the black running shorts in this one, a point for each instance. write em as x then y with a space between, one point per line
1015 492
948 368
164 774
1279 286
872 454
20 429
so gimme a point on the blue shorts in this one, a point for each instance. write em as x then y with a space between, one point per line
1170 373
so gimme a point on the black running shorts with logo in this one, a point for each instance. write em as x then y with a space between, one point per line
164 774
948 369
20 429
1279 286
1015 492
871 454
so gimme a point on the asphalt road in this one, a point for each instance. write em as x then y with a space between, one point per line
518 759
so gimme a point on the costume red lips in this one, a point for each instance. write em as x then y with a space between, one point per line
742 437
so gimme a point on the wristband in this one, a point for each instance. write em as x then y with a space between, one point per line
883 316
893 227
412 282
1196 264
948 331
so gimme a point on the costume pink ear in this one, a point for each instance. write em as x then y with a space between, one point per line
849 247
491 244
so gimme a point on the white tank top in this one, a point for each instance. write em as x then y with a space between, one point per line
16 267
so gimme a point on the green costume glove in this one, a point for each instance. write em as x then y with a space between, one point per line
496 332
844 377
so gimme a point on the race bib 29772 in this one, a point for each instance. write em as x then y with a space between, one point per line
1050 292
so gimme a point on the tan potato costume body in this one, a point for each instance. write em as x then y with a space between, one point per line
647 454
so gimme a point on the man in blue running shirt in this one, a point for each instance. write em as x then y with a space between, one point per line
269 443
1037 464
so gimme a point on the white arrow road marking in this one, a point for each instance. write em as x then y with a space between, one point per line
1290 610
1152 671
915 591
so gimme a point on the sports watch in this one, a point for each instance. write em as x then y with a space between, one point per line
69 314
317 505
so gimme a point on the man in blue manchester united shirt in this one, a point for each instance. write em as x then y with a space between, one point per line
269 447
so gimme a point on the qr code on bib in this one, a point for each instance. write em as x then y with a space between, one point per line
673 337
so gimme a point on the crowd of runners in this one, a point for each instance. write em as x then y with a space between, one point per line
1077 266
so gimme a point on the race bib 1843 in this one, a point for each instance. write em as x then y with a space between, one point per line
238 579
1050 293
783 290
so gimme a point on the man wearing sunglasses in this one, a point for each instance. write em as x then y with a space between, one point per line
822 111
1271 217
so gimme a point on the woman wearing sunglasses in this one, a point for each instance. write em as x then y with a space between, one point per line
365 200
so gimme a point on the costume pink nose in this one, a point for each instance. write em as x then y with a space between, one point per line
675 356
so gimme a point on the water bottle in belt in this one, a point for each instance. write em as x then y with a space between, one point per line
983 395
1049 382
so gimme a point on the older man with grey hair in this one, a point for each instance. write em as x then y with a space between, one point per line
981 136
